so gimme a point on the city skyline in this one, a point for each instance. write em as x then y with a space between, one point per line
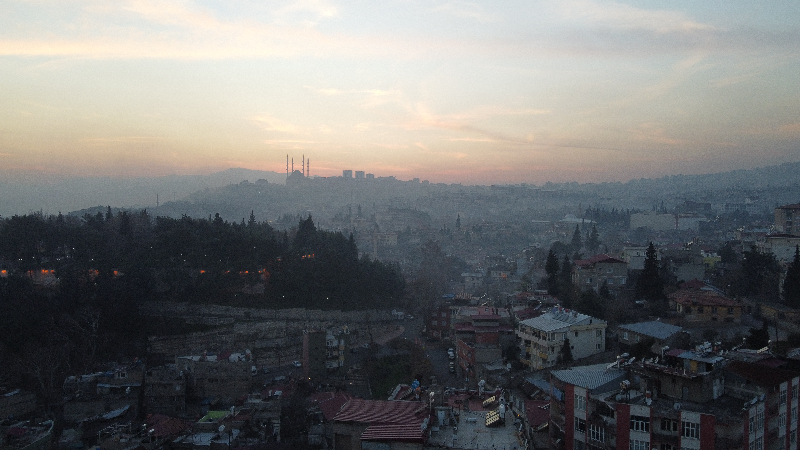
452 92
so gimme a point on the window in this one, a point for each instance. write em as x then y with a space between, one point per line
639 445
598 346
597 433
760 420
752 424
713 310
669 425
579 445
640 423
576 334
759 443
700 309
783 396
625 335
730 310
638 338
580 425
667 447
444 314
782 420
690 430
599 333
580 402
794 414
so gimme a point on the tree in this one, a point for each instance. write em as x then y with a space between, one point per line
593 242
649 285
590 304
758 337
566 290
565 357
576 243
791 284
760 275
551 268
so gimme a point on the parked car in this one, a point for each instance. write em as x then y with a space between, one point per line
452 367
451 353
297 364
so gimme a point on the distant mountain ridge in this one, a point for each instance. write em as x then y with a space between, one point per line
81 193
780 182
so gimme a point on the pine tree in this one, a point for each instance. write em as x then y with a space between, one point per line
551 268
650 286
791 284
593 242
576 243
566 353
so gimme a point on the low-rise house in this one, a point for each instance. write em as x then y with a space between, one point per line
787 219
661 333
165 391
483 325
227 375
472 281
782 246
591 273
543 337
380 424
697 302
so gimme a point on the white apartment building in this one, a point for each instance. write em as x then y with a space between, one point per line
543 337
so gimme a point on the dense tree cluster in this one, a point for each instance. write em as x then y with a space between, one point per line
71 287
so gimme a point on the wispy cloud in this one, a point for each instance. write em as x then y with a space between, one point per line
269 123
468 10
620 16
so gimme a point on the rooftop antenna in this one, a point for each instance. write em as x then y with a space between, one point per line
287 166
308 171
304 165
292 164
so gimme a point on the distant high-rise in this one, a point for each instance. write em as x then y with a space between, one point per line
359 174
347 174
370 176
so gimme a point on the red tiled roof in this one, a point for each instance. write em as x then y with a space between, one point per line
701 298
396 433
693 284
536 412
165 426
329 402
598 259
380 412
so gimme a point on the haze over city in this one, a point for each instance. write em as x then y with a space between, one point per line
453 92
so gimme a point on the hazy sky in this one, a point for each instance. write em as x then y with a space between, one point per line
450 91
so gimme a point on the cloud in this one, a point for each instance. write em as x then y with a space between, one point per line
619 16
269 123
468 10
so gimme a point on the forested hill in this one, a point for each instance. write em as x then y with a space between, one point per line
196 260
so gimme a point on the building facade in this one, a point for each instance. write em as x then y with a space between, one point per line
542 338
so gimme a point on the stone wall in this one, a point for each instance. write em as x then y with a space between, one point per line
275 337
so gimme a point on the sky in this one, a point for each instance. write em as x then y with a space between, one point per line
448 91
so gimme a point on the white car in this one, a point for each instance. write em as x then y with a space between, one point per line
297 364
